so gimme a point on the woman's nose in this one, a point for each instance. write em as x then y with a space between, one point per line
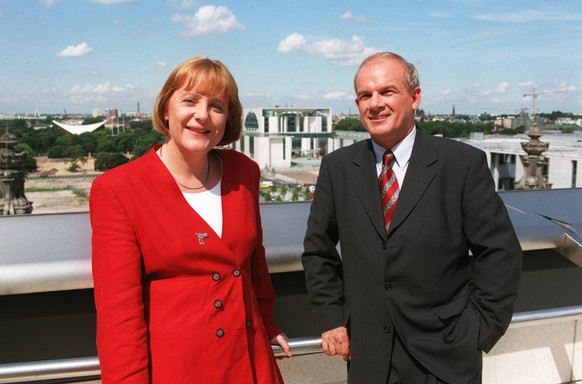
201 111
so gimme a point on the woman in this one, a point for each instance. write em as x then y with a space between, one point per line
182 290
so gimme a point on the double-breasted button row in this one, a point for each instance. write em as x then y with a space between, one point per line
235 272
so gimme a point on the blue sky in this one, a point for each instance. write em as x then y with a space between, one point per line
478 55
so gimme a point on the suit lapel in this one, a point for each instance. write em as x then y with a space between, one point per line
365 180
419 175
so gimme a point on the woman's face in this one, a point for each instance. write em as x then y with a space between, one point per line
196 122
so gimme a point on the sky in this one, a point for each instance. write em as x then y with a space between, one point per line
474 55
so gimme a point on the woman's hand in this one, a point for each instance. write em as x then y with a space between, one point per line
281 340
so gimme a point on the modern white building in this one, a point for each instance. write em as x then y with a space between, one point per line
563 167
273 137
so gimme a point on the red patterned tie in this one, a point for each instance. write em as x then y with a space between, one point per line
388 188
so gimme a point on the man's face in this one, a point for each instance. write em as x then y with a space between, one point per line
386 105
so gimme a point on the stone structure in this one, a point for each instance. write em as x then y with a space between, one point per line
534 161
12 198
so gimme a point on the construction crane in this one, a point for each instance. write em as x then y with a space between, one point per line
534 95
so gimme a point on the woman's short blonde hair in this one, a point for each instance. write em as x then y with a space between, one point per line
211 78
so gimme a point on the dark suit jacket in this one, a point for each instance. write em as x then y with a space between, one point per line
420 281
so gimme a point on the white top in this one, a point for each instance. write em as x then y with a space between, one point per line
402 152
208 205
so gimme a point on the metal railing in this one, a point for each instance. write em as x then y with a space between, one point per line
88 367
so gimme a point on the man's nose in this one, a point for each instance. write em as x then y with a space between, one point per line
375 100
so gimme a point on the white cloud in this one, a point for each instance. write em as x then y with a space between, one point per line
526 84
209 20
346 16
337 96
99 89
82 49
293 42
161 64
349 16
184 4
335 50
502 87
47 3
527 16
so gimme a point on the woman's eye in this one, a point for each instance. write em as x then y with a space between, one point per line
218 107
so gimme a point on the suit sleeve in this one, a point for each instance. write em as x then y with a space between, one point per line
117 275
320 258
496 250
261 279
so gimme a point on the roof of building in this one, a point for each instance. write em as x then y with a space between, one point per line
79 129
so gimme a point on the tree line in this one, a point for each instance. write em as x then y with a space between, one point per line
108 149
139 137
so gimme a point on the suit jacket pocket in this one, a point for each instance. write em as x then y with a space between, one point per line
453 308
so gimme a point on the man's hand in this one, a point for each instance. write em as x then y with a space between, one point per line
336 342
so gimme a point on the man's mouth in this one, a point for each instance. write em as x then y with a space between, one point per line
379 117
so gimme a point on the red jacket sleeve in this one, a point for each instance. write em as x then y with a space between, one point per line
262 284
117 275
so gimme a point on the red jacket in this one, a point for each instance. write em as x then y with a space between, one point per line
172 308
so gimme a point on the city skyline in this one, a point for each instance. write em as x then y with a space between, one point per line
474 55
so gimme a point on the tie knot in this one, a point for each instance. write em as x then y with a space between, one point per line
387 158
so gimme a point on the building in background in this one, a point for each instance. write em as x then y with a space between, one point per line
562 169
273 137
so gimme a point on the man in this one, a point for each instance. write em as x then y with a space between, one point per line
428 273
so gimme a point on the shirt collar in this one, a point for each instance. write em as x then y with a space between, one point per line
402 151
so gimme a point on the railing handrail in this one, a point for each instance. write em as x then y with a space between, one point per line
89 366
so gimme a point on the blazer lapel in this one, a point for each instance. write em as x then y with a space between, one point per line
419 175
365 180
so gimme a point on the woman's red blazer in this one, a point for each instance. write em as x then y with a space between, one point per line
172 308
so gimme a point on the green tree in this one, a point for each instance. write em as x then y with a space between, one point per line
106 161
29 160
349 124
145 142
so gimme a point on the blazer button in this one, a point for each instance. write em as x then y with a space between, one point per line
248 324
236 272
387 328
388 286
216 276
383 245
217 304
219 332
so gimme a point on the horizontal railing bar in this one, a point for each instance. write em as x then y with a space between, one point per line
543 315
49 369
89 366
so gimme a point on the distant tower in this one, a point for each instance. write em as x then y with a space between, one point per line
453 111
138 108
